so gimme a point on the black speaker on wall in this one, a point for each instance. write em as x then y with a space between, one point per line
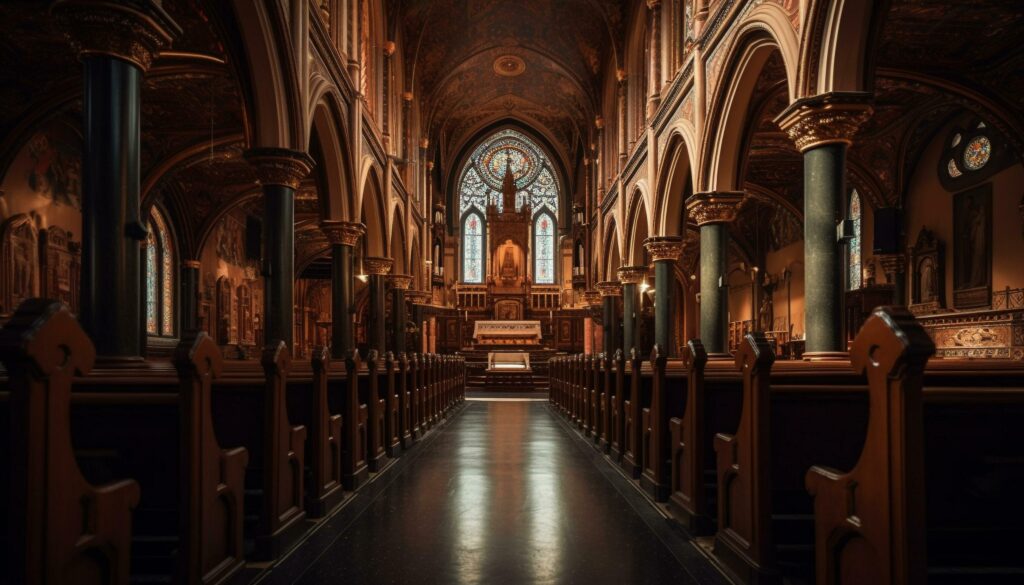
888 222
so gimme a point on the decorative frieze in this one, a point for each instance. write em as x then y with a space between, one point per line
664 248
346 233
632 274
280 166
378 266
825 119
131 31
714 207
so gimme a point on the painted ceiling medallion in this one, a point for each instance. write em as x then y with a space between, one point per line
509 66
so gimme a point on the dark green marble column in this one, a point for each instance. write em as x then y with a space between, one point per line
822 128
377 269
824 182
712 212
714 290
116 43
279 171
664 251
610 292
343 237
631 277
399 284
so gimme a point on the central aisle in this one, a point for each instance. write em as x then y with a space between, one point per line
503 494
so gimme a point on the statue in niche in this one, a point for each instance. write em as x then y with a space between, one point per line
928 284
927 276
765 315
509 271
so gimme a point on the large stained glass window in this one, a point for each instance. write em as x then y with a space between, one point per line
480 185
473 248
853 249
544 248
159 277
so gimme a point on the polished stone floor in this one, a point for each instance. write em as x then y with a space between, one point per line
504 493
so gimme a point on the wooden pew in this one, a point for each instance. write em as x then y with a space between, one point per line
618 407
392 413
597 397
607 400
404 388
343 397
370 395
63 529
689 501
418 365
667 399
934 494
250 409
638 399
212 479
309 406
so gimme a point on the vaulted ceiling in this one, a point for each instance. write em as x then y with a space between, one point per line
473 62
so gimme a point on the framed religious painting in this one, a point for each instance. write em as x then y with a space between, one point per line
972 253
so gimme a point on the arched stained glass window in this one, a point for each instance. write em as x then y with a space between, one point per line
159 277
473 248
544 249
480 184
483 173
853 249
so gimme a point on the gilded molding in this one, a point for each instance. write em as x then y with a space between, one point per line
714 207
632 274
400 281
610 288
377 265
664 248
346 233
191 264
831 118
280 166
135 32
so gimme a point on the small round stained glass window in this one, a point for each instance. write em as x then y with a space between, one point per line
954 171
956 141
977 153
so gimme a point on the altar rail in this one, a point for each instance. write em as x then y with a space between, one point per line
545 299
160 471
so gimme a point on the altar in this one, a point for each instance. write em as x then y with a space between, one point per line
508 361
507 332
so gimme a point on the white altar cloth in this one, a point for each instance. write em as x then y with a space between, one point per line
525 330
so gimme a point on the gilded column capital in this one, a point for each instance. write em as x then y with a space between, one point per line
830 118
195 264
632 274
610 288
131 31
418 297
346 233
280 166
664 248
714 207
591 298
377 265
400 281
